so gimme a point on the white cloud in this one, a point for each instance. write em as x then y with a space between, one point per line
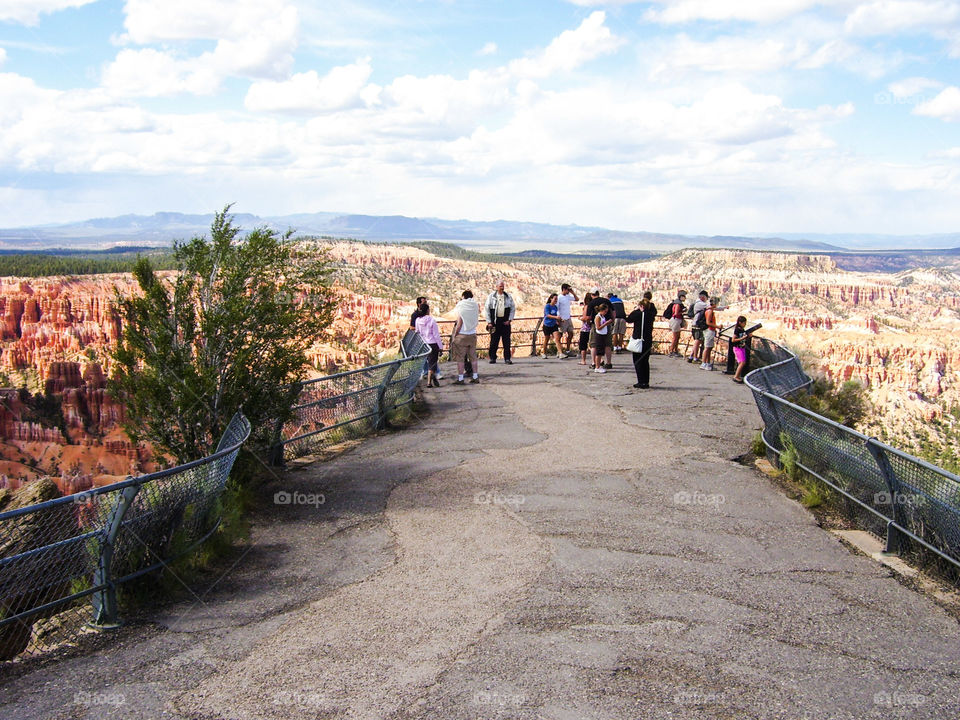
343 87
730 54
254 38
909 87
152 73
945 106
570 49
894 17
489 48
542 137
684 11
28 12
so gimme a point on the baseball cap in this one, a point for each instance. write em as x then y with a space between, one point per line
595 290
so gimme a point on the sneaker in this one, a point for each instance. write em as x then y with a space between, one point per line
600 370
473 381
710 367
459 382
438 375
509 362
690 359
493 362
608 366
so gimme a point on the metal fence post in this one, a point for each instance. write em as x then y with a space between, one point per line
896 540
105 601
533 340
381 420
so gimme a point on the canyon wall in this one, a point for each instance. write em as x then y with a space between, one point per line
891 332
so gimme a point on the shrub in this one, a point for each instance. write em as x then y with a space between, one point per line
227 332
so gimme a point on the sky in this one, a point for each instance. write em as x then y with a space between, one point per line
681 116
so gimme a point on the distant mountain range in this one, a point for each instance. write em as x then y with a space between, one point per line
162 228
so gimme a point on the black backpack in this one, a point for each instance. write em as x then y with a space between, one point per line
668 312
690 307
700 320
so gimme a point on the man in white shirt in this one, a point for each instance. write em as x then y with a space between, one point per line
463 346
565 299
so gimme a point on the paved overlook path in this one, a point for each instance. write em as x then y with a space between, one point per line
626 568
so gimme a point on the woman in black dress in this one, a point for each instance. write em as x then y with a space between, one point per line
642 319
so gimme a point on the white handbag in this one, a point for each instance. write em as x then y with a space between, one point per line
635 345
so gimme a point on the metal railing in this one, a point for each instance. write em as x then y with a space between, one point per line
886 491
339 407
56 554
527 340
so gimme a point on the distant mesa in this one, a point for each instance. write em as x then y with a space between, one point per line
162 228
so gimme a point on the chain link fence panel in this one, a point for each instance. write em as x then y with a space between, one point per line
892 494
61 558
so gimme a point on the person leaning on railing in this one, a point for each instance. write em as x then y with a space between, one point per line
463 345
740 339
430 332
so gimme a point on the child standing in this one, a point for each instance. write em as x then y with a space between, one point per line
739 342
601 323
584 340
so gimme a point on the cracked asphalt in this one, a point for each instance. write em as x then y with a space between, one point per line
550 544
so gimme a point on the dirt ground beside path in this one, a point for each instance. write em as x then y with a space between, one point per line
549 544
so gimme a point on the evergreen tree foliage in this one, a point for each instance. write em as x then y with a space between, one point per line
227 330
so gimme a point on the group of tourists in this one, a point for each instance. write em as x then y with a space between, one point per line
603 326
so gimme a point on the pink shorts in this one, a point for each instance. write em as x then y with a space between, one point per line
740 354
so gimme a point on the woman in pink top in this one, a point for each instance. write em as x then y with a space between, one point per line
430 332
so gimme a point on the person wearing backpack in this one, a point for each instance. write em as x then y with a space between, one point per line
674 314
697 313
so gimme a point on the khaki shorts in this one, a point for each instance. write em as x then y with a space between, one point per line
709 338
619 326
464 347
566 326
676 324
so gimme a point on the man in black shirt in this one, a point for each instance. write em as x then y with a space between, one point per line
619 327
592 313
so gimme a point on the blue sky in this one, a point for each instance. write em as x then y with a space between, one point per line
691 116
